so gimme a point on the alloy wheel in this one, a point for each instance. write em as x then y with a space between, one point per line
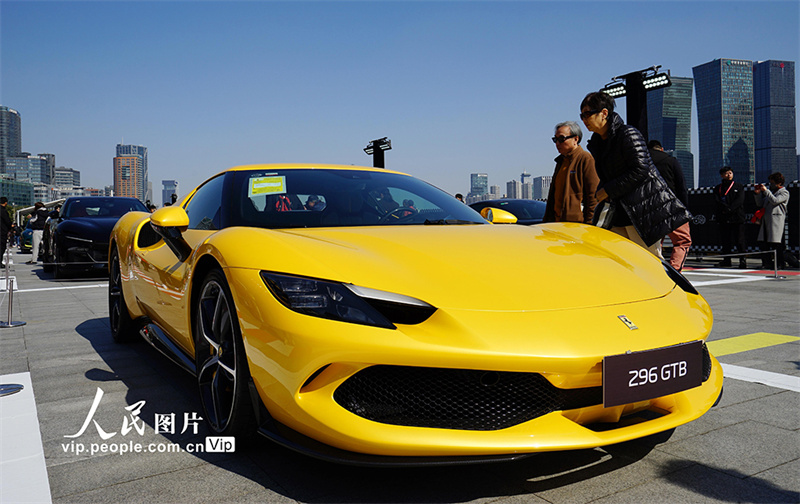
217 359
114 294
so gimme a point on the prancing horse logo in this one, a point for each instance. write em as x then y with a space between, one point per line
625 320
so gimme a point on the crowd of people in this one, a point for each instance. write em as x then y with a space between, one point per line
637 185
643 191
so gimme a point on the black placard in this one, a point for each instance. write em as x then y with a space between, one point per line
638 376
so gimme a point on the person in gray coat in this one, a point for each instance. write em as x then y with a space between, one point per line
774 199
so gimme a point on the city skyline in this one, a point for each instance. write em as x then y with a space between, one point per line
459 87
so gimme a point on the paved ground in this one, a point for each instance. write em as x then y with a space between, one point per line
747 449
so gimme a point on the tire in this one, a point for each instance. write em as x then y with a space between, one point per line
58 271
123 329
47 264
222 370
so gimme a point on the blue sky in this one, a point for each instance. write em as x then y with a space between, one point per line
459 87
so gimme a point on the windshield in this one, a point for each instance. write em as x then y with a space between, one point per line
334 198
523 209
101 207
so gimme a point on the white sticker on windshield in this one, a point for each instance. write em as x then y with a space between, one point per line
267 185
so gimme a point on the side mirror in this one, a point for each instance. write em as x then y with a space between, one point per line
498 216
170 222
171 216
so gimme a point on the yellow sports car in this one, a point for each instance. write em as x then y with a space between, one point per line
362 315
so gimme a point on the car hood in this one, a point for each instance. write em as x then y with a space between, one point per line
471 267
97 229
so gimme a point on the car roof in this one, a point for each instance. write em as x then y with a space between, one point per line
308 166
506 200
99 198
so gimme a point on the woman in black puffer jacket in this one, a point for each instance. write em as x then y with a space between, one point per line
647 210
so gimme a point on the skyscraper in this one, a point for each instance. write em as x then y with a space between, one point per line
127 170
669 120
66 177
478 184
26 167
541 187
169 187
50 161
724 90
10 135
775 127
525 177
527 190
139 151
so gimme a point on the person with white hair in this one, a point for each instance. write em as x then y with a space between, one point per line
572 189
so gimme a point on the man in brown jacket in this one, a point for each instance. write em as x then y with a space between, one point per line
572 190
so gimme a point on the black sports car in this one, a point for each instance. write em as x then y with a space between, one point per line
526 211
78 237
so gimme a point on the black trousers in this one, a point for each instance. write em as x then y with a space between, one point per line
3 245
731 234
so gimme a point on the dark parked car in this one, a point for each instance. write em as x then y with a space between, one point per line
526 211
78 237
26 239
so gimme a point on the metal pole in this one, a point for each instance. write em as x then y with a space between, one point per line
775 262
10 290
10 323
8 267
378 158
636 101
10 297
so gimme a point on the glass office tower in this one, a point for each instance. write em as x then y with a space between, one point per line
669 120
724 91
25 167
168 188
478 184
775 126
10 135
67 177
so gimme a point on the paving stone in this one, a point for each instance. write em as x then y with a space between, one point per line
699 483
745 448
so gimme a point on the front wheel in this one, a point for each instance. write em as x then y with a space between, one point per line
47 259
222 370
58 271
122 326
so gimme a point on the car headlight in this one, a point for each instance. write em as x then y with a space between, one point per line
679 279
346 302
76 244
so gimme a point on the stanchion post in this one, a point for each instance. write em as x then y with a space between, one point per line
10 323
8 259
775 262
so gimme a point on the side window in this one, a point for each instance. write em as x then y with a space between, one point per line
204 207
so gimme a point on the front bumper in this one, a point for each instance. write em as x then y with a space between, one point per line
81 253
299 365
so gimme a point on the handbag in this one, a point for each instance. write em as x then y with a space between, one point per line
604 214
758 215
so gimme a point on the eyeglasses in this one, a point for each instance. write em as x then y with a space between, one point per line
562 138
589 113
